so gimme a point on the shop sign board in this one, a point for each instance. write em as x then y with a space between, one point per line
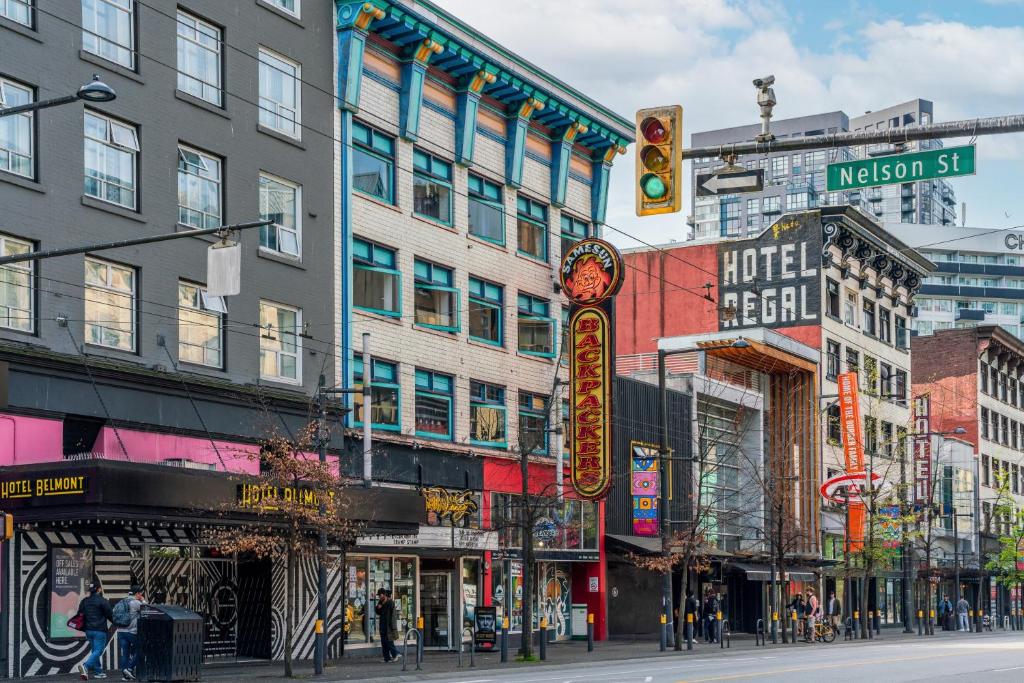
591 273
43 487
486 636
853 449
458 507
644 470
71 572
265 496
434 537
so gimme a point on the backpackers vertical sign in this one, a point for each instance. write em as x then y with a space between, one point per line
591 274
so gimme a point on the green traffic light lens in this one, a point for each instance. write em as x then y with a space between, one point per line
654 159
654 130
653 187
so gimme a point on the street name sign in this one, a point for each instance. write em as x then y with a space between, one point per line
729 181
901 168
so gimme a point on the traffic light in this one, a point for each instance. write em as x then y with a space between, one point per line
659 181
8 522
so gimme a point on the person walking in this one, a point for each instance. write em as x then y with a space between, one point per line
947 613
812 614
385 610
126 618
96 612
835 609
961 612
710 616
690 607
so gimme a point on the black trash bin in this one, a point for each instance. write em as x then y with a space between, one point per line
170 644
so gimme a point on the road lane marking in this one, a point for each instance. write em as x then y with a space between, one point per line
838 665
1012 668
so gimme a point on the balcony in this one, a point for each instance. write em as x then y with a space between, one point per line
970 314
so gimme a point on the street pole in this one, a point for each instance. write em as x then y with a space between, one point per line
956 552
908 605
663 503
367 412
321 569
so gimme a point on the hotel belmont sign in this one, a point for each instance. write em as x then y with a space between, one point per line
591 274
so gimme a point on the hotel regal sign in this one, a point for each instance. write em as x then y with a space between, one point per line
591 274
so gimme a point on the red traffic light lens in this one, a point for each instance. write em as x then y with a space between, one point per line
654 130
654 159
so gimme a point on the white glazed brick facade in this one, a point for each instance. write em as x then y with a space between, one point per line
412 346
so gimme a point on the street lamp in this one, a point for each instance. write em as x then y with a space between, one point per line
93 91
663 457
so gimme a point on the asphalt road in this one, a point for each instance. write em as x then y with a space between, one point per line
991 659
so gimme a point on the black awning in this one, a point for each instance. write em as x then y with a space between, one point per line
754 572
801 574
648 545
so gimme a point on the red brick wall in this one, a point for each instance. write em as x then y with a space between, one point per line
945 365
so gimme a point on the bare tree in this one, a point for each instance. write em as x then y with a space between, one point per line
1009 522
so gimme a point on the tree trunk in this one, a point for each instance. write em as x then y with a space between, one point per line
684 585
865 586
785 613
289 605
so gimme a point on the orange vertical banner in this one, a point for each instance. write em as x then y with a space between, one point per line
853 451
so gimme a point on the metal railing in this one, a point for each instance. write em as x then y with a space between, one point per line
759 633
405 649
472 645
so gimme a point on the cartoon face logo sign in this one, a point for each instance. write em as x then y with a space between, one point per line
591 272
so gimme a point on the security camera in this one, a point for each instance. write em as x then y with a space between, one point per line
764 82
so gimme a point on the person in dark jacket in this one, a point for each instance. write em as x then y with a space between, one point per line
690 607
96 613
385 610
710 616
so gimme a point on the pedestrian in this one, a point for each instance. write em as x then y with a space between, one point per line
96 612
385 609
710 616
961 612
796 606
812 614
690 608
126 618
834 609
947 611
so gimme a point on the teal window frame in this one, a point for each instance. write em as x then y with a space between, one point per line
527 409
563 339
431 170
534 308
492 397
435 386
430 277
573 230
487 194
385 378
376 145
489 295
373 257
535 214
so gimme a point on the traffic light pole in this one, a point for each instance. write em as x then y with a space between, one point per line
950 129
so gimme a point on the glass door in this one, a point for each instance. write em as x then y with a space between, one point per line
435 600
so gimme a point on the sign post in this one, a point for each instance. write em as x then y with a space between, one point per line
900 168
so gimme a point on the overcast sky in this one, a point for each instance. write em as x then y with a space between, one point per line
966 56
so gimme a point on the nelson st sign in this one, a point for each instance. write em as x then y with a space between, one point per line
591 274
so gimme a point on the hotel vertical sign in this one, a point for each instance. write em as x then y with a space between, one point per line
591 274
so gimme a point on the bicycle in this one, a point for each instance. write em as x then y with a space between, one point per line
825 632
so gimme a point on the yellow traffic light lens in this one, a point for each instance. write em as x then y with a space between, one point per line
654 159
653 187
654 130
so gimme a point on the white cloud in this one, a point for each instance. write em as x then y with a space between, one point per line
704 53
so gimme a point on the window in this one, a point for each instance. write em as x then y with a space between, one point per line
377 285
200 326
1002 386
1012 399
796 200
486 312
532 422
280 98
780 167
1015 478
109 305
885 437
532 228
870 376
487 415
984 423
885 378
902 340
852 360
384 394
832 297
111 151
900 386
870 435
983 373
280 343
850 308
108 30
199 189
834 419
434 404
832 359
1014 442
281 202
289 6
1004 431
770 205
869 317
437 301
536 327
17 130
486 211
986 471
199 69
16 287
19 11
373 162
431 187
884 325
573 230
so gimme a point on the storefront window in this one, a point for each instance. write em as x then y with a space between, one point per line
380 577
470 591
516 597
404 593
355 601
499 590
397 574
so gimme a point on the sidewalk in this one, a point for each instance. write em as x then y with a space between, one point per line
444 665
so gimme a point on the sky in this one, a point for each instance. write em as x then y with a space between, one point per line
966 56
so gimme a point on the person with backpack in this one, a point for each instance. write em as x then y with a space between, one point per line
126 619
96 612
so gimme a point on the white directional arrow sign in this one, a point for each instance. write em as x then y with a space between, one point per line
728 181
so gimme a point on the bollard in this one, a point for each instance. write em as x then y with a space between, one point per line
759 633
970 620
419 641
856 624
689 631
664 627
472 645
718 625
849 629
775 627
405 648
871 624
724 634
504 640
543 639
590 633
920 622
792 617
931 620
